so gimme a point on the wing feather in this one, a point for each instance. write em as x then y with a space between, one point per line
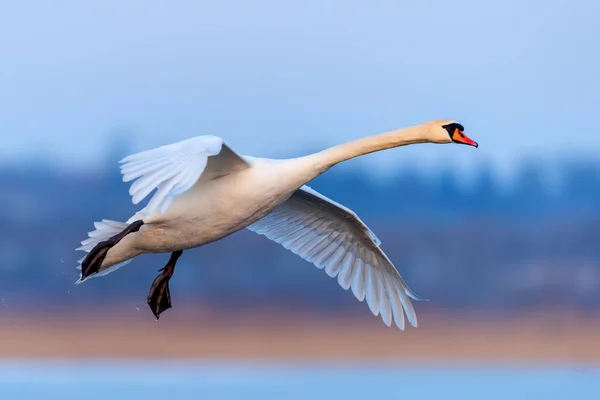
173 169
334 239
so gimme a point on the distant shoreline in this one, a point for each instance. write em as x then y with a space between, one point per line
549 337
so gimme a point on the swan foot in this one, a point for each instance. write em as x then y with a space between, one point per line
159 298
93 261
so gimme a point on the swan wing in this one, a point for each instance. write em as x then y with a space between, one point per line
334 238
175 168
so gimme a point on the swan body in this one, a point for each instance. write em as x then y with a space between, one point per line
205 191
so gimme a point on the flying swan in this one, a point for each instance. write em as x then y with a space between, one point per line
205 191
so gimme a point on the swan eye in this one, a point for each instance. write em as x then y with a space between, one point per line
457 135
453 127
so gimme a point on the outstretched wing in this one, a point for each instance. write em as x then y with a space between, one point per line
334 239
175 168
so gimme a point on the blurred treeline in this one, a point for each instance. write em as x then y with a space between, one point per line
480 246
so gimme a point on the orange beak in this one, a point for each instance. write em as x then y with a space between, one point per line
459 137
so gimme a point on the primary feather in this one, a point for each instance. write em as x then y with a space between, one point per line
335 239
172 169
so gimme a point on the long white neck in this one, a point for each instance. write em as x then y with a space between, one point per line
346 151
298 171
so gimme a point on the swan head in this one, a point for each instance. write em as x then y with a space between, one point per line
450 132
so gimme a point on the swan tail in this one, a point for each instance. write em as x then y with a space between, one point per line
105 229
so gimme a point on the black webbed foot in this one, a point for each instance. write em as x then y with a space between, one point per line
93 261
159 298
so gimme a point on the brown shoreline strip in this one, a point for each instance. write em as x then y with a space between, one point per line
184 336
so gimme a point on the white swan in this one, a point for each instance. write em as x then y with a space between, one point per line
205 191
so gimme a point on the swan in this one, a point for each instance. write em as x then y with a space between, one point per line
205 191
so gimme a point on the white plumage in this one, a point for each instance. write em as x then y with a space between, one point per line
334 239
171 169
204 191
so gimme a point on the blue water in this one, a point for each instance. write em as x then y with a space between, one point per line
171 381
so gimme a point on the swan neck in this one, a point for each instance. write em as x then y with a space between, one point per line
370 144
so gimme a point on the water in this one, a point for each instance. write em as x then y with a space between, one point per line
172 381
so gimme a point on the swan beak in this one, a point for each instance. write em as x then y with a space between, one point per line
460 137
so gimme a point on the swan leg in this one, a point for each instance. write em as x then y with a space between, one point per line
93 261
159 298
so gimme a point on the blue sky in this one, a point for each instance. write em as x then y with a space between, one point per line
276 77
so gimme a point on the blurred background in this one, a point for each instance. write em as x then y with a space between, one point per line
502 239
